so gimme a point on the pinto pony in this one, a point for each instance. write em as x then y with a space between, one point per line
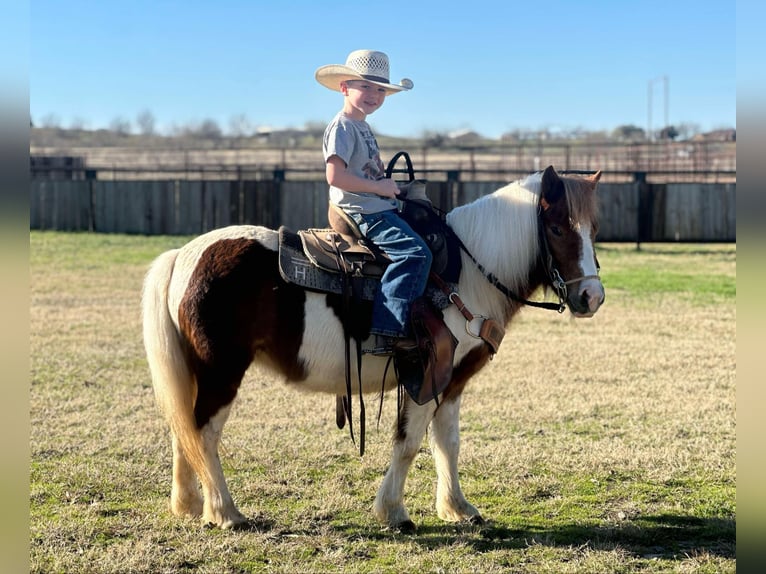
218 304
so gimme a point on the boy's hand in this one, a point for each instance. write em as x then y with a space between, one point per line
386 188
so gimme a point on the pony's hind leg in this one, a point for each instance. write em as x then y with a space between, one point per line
219 508
451 504
389 502
185 497
195 399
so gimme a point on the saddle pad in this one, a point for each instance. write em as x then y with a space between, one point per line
296 268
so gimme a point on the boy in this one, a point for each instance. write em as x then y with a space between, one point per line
358 185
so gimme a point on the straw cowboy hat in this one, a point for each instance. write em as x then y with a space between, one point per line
361 65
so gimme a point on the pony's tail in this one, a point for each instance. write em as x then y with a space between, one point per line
175 387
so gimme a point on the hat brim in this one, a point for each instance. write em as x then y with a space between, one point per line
332 75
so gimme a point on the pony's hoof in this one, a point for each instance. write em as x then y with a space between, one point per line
477 520
406 527
239 525
236 521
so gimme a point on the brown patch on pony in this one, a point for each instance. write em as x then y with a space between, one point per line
358 320
579 192
236 306
571 202
581 198
468 366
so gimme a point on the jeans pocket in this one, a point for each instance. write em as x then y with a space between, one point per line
365 221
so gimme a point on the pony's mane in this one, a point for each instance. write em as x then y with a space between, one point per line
500 229
581 199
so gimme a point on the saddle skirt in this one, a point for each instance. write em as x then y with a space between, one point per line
324 260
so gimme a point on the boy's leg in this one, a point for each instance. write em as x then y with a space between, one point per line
405 277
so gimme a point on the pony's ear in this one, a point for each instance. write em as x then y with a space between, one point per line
595 177
552 186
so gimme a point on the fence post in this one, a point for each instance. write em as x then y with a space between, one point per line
276 205
645 208
452 187
90 176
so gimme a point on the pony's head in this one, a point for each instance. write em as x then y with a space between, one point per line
569 222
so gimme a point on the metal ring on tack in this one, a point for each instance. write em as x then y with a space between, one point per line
468 325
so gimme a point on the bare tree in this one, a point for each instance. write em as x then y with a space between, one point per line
434 139
50 121
78 123
687 130
239 125
145 122
628 133
120 125
209 129
668 133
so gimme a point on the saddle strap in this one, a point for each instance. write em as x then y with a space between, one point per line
346 401
344 404
491 332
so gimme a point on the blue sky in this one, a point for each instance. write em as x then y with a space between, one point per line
489 66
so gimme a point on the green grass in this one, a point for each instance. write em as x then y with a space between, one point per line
654 271
601 445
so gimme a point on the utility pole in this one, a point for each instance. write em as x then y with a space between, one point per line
650 92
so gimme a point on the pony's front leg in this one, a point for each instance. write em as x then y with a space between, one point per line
451 505
389 503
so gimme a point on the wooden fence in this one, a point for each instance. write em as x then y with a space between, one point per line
635 212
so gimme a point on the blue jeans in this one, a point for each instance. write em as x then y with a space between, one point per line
405 277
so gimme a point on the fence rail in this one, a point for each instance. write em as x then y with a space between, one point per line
662 162
636 211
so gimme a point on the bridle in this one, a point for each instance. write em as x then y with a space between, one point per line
558 284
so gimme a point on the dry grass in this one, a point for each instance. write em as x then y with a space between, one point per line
601 445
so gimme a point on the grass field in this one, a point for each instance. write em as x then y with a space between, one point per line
601 445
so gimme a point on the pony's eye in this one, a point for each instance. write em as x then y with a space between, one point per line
556 230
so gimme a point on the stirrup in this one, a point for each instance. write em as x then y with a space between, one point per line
389 346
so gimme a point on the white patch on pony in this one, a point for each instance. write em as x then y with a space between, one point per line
483 226
323 338
592 286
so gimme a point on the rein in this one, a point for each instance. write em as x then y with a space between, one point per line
559 285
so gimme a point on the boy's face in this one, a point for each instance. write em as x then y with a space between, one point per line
362 97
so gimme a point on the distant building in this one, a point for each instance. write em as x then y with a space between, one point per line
727 135
464 137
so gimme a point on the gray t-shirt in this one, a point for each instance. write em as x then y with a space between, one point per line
353 142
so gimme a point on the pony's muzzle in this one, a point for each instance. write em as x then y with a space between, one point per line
589 298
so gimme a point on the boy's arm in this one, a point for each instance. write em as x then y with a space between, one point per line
338 176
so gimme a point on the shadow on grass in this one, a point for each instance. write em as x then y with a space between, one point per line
661 536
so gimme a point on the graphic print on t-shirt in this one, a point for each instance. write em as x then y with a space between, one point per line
373 169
